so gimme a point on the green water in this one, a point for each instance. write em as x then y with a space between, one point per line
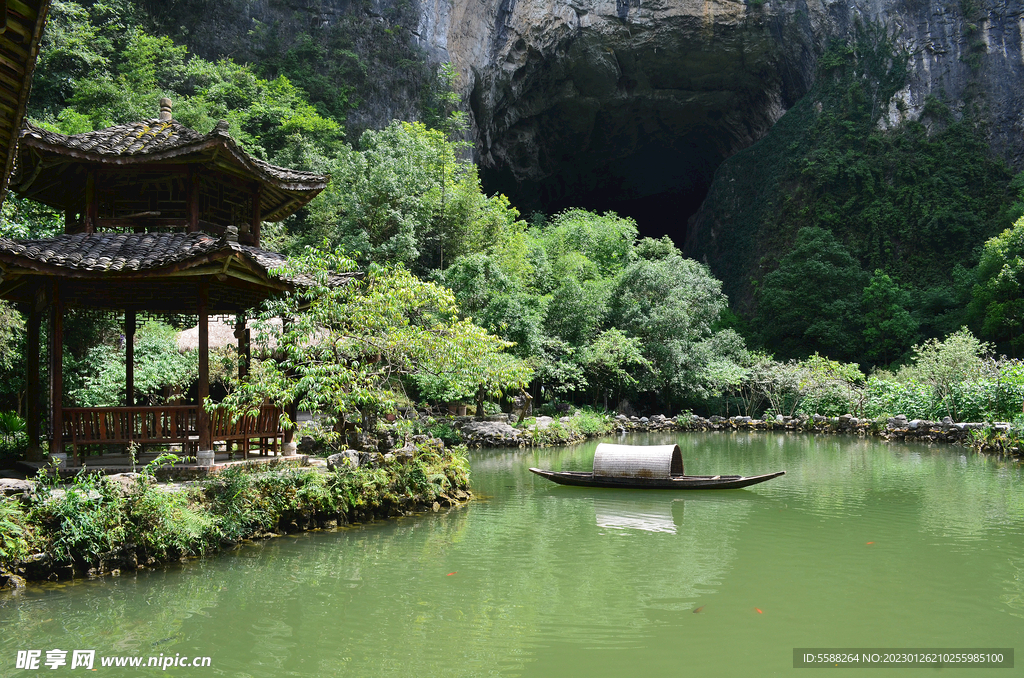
533 579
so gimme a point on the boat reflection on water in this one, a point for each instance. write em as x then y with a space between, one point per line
649 514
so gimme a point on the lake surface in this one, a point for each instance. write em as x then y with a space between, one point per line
861 544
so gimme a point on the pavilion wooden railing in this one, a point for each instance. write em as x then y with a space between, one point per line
167 424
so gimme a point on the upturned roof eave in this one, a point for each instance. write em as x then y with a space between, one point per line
296 192
21 264
175 154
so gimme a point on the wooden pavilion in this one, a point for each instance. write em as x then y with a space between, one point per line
21 29
158 219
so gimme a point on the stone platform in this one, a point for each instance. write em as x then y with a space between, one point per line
109 464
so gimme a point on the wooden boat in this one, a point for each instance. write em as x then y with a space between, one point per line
653 467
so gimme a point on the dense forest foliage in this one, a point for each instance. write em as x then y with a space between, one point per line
869 260
854 229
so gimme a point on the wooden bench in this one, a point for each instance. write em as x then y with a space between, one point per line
168 424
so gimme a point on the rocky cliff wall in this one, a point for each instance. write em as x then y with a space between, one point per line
581 101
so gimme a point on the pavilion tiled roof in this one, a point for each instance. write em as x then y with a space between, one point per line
113 253
164 139
123 252
19 46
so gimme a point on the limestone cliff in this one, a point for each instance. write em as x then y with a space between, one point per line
602 102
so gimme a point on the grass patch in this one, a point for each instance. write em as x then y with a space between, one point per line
583 423
82 522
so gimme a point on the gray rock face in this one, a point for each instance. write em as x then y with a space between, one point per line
343 461
13 486
488 429
579 97
570 97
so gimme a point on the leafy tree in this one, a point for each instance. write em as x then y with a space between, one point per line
945 365
829 387
1016 209
496 302
889 328
12 325
22 219
406 197
557 368
611 362
99 67
671 305
607 240
650 248
769 385
998 297
348 346
322 69
913 198
441 102
576 311
811 302
159 365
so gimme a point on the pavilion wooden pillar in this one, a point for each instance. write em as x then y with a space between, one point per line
129 359
32 391
57 373
192 197
244 345
91 206
203 420
257 217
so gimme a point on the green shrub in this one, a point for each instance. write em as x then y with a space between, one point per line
13 434
591 423
445 431
171 524
14 543
887 398
88 517
79 521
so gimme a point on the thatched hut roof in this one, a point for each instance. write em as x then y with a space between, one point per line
222 334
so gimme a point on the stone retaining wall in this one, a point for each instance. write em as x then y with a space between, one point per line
500 433
895 428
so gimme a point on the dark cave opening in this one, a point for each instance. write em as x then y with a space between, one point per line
636 123
660 186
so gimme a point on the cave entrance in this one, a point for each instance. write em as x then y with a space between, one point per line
633 118
660 185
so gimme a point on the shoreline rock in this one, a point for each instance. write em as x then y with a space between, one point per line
495 432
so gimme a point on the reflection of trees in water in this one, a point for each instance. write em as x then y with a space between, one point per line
378 600
299 605
972 498
136 613
955 492
532 565
1013 597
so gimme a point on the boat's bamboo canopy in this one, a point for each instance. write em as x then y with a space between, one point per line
637 461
